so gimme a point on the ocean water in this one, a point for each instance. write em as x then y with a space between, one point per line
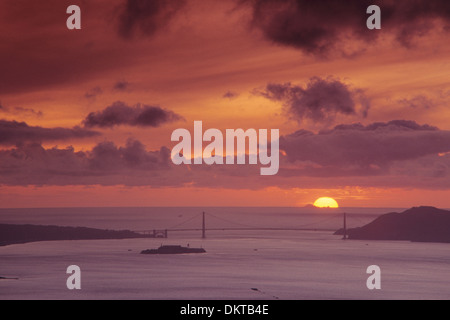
145 218
280 264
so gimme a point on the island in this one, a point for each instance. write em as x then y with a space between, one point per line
16 234
173 250
418 224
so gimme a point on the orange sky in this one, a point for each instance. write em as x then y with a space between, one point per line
197 52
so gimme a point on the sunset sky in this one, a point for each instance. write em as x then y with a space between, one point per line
86 115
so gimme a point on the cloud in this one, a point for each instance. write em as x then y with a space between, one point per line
93 93
398 153
106 156
13 132
121 85
418 102
372 148
21 110
120 113
141 17
318 27
108 164
321 100
105 164
230 95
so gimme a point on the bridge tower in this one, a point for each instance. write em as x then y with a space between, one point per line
203 227
345 226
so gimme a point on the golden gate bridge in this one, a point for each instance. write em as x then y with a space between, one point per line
312 226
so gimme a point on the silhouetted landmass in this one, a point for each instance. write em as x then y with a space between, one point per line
173 250
14 234
420 224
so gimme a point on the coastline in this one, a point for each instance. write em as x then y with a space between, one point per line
25 233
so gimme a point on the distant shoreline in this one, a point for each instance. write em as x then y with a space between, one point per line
19 234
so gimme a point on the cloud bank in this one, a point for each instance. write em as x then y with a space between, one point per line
13 132
377 145
398 153
105 164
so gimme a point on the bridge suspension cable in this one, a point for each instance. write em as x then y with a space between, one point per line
186 221
232 222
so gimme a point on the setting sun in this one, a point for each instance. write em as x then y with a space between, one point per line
326 202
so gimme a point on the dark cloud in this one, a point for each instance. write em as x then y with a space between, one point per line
13 132
120 113
106 156
93 93
319 27
144 17
373 147
230 95
121 85
321 99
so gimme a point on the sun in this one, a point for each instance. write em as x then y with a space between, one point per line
326 202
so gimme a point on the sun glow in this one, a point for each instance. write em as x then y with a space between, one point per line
326 202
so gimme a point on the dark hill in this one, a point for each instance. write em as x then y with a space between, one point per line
11 233
421 224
